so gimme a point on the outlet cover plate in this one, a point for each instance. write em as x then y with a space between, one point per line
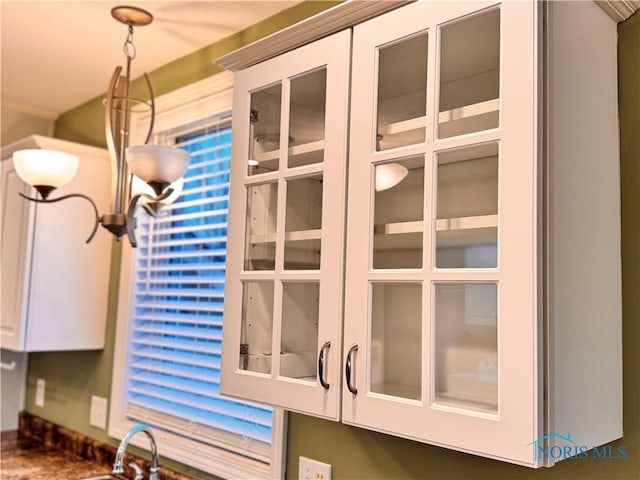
313 470
40 386
98 415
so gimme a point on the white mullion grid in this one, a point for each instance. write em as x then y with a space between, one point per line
467 140
304 171
276 337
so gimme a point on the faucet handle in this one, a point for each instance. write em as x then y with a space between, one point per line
153 473
138 471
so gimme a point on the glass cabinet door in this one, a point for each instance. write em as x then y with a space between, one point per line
286 229
439 314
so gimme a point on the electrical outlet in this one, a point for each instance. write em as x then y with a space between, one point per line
313 470
98 414
40 384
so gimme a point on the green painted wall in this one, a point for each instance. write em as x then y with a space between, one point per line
73 377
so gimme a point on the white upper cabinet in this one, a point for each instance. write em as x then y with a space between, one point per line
284 282
54 285
472 283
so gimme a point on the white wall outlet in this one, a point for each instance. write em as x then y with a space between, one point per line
309 469
98 414
40 384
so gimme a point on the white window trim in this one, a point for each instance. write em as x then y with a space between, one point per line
185 105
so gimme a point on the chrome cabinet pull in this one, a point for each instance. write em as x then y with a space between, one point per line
347 368
321 358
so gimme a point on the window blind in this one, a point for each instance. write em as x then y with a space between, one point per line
173 365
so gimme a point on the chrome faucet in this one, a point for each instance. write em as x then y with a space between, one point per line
118 466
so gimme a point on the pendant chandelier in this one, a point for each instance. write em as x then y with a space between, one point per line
157 166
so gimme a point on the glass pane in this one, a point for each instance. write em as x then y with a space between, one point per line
466 346
257 326
402 86
306 118
398 214
470 75
298 351
264 130
260 241
396 336
467 210
303 224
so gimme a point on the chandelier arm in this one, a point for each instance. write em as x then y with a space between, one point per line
132 209
152 104
64 197
114 153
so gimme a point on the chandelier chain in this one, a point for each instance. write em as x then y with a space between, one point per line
129 48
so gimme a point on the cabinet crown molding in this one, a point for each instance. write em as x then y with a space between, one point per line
313 28
619 10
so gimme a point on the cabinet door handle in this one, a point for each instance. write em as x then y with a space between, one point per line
321 358
347 368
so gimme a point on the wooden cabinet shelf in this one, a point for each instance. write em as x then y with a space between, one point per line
475 117
452 232
299 235
310 148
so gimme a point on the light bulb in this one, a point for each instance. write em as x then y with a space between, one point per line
388 175
140 186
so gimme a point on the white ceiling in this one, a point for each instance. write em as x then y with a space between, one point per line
58 54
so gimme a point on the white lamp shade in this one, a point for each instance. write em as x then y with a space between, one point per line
155 163
140 186
45 167
388 175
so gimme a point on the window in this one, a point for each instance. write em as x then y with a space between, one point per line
167 365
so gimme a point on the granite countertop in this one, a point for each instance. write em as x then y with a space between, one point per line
25 458
42 450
